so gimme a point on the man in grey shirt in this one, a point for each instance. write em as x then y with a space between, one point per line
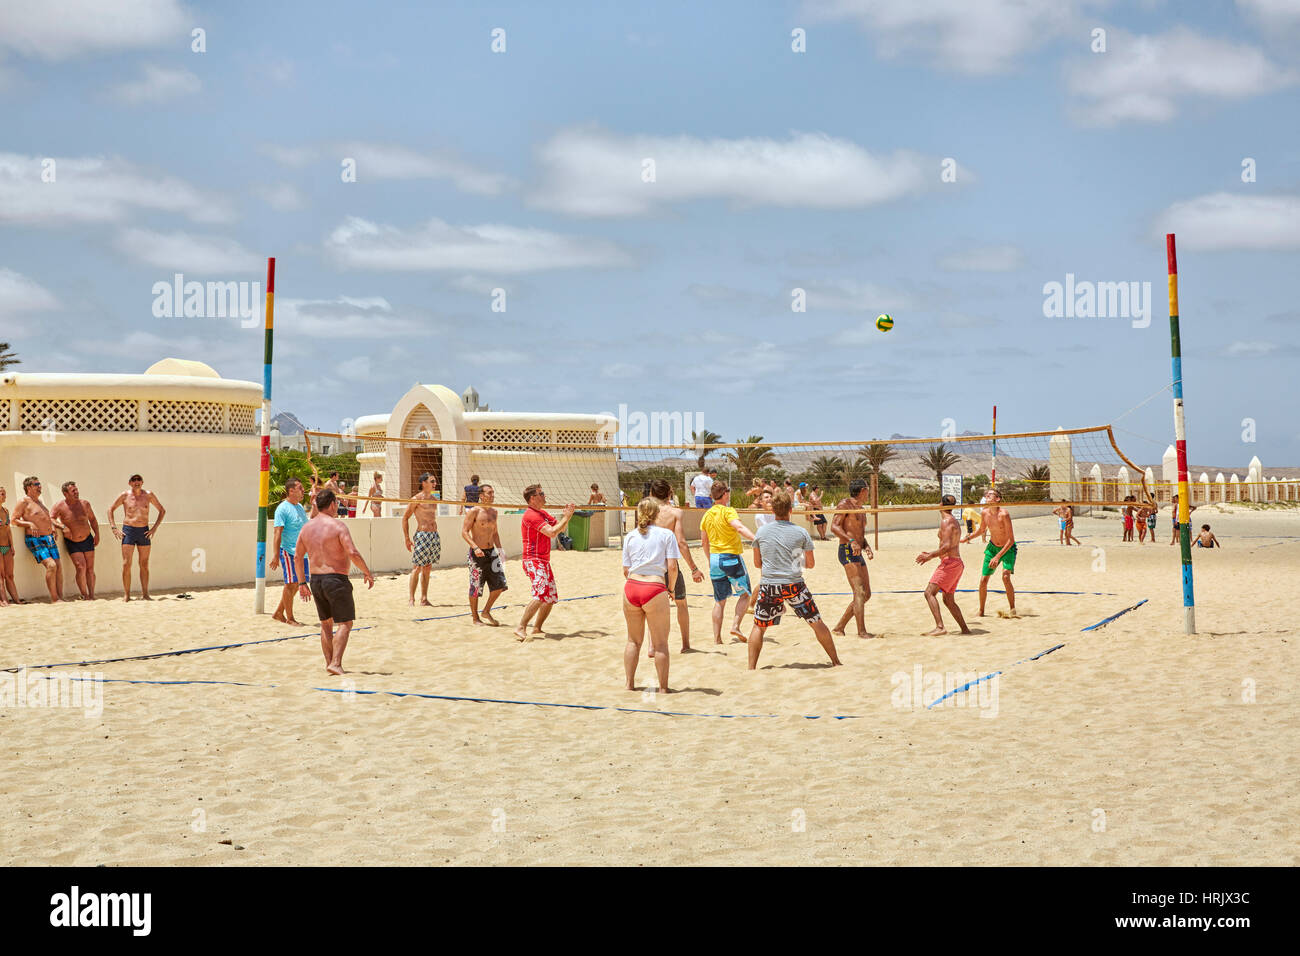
778 548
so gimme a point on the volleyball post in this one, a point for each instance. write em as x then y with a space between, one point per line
1180 442
264 478
993 468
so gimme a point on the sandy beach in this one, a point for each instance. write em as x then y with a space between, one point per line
1131 744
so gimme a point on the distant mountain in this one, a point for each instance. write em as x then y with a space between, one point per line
288 423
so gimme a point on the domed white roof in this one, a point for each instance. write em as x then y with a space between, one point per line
175 366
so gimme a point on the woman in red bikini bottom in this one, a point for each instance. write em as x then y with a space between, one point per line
650 556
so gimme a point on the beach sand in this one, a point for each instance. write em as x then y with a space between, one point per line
1132 744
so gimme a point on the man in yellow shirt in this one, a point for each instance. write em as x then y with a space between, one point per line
971 515
721 534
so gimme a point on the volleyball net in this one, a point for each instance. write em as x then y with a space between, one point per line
1083 467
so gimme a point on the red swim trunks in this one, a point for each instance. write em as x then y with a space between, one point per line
542 579
948 574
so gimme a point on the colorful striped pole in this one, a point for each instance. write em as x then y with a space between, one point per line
1180 442
993 478
264 485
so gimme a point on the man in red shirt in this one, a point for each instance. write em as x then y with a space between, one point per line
537 528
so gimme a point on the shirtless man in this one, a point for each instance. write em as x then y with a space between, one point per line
1066 514
376 491
480 532
136 533
1002 548
426 549
33 517
326 543
851 529
670 517
948 574
815 516
597 496
76 519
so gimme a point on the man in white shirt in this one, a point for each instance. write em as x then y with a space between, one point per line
702 489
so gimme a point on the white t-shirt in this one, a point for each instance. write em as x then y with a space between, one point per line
762 519
702 486
649 553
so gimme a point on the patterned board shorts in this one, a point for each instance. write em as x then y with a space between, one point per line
43 547
772 599
542 579
489 567
427 548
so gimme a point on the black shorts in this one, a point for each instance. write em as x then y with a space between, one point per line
819 518
679 592
490 572
84 546
333 594
970 526
136 536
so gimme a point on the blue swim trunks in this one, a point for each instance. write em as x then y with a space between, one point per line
43 547
726 570
703 501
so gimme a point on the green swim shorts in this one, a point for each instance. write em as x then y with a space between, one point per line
1008 559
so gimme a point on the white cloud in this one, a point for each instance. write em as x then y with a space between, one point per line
999 258
20 294
1272 14
1233 221
1143 78
382 161
969 36
851 295
186 252
591 172
354 318
436 245
59 29
94 189
1251 349
282 197
157 84
354 369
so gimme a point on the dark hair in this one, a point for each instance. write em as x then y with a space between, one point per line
661 489
334 474
948 500
530 491
595 487
324 499
289 484
424 476
473 479
29 481
1205 527
719 490
67 485
856 486
134 478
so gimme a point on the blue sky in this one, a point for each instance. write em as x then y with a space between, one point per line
774 170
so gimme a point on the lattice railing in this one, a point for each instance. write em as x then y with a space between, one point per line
576 436
495 437
193 417
243 420
80 415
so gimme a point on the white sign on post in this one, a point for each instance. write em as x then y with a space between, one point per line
951 485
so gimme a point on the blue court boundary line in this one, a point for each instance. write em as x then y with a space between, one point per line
447 617
1041 654
476 700
149 657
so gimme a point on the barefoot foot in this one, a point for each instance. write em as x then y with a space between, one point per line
934 633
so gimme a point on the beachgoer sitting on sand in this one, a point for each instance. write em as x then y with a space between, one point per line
1206 539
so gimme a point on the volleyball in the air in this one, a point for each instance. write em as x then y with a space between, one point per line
884 322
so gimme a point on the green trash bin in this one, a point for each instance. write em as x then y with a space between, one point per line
580 530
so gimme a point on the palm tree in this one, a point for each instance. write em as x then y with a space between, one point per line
283 467
705 437
877 455
751 457
939 459
7 358
826 469
1039 477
